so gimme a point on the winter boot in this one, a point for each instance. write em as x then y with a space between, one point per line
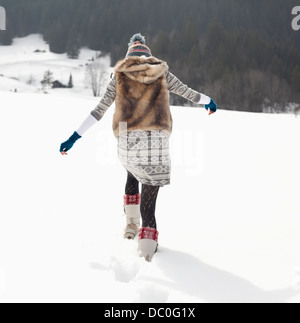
133 215
148 242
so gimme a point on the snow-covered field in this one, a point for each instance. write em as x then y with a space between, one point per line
229 223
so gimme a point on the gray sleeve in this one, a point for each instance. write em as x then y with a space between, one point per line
176 86
106 101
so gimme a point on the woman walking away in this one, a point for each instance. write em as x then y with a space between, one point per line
142 124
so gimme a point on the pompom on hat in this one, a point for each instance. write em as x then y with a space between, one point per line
137 46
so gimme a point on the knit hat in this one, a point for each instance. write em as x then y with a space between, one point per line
137 46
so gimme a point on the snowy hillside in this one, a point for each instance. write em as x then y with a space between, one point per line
229 223
22 66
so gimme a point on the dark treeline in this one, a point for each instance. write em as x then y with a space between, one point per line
242 53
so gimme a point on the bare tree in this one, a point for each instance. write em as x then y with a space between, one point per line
31 80
297 110
47 80
97 75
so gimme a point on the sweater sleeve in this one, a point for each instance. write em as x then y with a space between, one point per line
106 101
86 125
176 86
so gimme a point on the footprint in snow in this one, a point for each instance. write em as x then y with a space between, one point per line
125 261
124 271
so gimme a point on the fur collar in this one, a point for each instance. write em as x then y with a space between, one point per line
142 69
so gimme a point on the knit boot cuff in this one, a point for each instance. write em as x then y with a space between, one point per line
132 199
148 233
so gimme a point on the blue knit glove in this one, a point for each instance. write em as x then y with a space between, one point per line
211 106
67 145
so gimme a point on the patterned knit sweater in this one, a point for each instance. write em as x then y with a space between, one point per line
174 85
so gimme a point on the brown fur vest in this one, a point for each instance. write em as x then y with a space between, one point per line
142 98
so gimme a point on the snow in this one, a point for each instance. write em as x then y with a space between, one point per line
229 223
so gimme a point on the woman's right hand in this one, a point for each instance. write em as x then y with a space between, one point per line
67 145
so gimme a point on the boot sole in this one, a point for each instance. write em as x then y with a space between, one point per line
129 236
130 232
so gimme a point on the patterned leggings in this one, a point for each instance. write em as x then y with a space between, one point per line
148 199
